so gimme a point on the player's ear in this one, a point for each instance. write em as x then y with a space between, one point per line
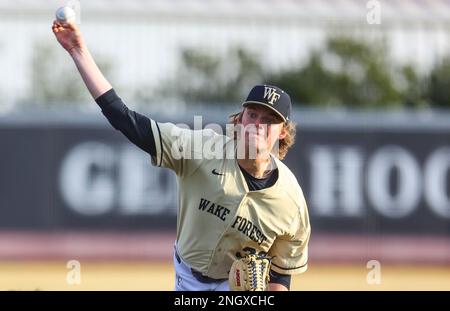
283 132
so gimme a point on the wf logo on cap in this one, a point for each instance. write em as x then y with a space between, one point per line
271 95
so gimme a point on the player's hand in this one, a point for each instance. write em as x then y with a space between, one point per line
68 35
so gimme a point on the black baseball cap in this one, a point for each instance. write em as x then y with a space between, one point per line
272 97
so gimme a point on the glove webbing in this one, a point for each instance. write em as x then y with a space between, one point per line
257 282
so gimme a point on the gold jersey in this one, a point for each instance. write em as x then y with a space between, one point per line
219 219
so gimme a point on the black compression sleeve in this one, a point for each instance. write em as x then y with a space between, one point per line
282 279
137 128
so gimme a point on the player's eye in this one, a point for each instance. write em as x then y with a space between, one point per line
253 115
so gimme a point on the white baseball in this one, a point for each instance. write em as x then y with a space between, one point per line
65 14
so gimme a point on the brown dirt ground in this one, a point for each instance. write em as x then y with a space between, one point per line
144 275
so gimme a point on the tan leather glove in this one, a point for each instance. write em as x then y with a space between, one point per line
250 273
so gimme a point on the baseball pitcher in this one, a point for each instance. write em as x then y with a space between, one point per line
242 222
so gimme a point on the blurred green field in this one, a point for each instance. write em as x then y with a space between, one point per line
51 275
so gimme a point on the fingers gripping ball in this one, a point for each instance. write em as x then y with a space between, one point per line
65 14
250 273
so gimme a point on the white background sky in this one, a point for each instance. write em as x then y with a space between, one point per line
143 38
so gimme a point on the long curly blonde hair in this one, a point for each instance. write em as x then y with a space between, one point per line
284 144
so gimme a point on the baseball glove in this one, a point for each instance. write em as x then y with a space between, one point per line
250 273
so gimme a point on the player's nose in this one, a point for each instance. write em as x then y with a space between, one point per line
260 125
258 122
